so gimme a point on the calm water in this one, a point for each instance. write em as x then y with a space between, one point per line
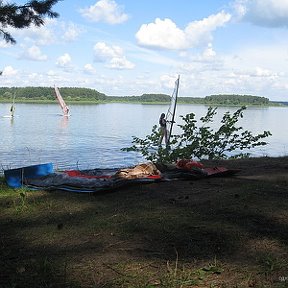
94 134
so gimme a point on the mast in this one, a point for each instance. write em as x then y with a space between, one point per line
61 102
170 116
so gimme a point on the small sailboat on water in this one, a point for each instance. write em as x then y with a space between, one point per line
12 109
64 107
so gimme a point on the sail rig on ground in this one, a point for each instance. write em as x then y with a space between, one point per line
64 107
170 116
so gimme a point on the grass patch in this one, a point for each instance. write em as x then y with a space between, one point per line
217 232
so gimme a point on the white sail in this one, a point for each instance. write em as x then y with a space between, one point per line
61 102
170 116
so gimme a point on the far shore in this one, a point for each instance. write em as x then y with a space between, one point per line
93 102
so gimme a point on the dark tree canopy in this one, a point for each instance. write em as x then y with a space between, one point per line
23 16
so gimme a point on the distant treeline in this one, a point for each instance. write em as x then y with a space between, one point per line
148 98
47 93
71 94
236 99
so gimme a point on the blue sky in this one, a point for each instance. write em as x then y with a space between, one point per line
128 47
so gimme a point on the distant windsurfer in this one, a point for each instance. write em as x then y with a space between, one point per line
64 107
67 111
12 110
163 129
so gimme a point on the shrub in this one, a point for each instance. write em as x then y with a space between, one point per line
201 142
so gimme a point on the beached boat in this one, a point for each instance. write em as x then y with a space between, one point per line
15 178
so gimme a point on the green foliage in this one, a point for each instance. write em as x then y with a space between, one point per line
269 264
23 16
147 147
155 98
227 99
86 94
47 93
144 98
201 142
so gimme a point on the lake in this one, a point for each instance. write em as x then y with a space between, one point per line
94 134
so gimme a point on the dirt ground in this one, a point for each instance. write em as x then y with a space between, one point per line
213 232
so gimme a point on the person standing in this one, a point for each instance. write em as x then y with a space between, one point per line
163 129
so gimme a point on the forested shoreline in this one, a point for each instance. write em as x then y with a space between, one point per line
87 95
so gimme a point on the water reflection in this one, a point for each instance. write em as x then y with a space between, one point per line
64 122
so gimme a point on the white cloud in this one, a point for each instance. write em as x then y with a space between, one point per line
104 52
52 32
200 32
166 35
168 81
64 61
205 60
252 73
209 53
265 73
34 53
51 73
34 76
161 34
260 70
120 63
9 71
4 44
113 56
107 11
39 35
269 13
89 69
272 56
71 32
